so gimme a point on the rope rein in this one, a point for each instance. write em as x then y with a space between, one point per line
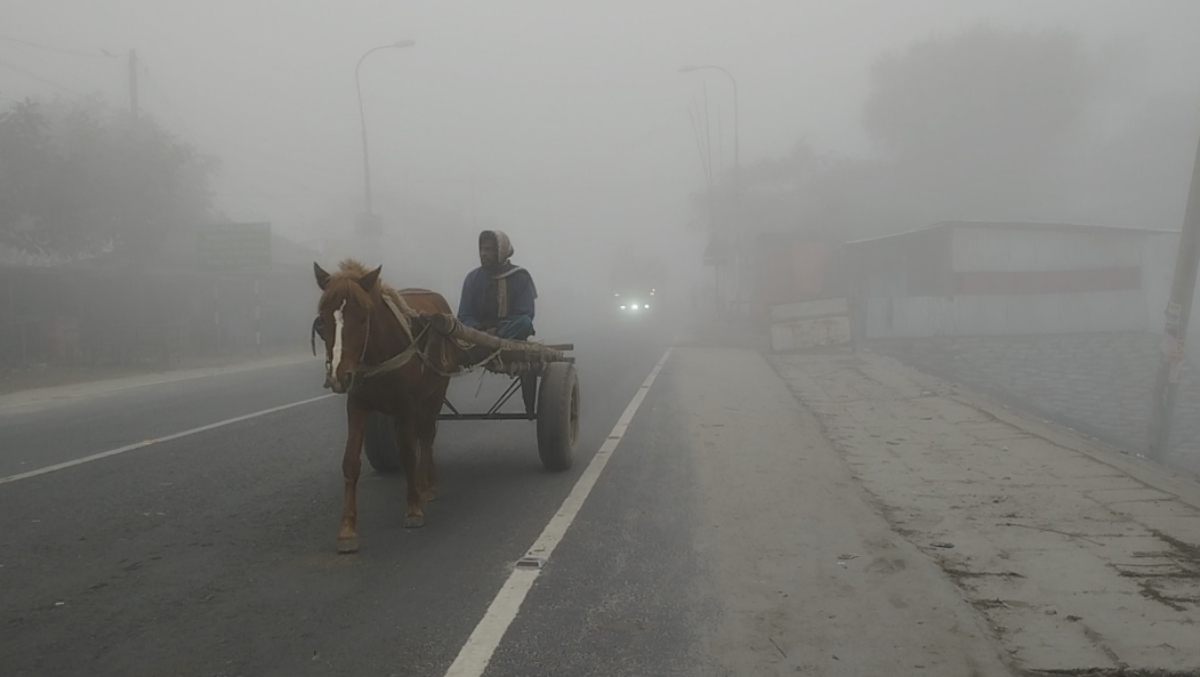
414 349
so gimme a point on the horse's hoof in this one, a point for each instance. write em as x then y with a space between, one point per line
347 546
429 496
414 521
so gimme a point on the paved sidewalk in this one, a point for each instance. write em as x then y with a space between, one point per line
1078 558
807 577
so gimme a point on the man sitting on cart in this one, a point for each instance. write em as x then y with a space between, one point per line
498 296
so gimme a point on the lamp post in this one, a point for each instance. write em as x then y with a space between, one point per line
363 118
737 170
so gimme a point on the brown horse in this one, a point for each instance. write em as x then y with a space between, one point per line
385 357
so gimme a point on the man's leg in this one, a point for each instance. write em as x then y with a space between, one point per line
516 328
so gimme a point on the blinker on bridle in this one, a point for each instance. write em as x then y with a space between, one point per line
318 327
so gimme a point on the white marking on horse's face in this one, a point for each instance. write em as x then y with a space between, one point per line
338 322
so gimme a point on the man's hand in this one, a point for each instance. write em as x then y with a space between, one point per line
492 330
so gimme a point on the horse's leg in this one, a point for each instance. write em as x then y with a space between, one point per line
347 540
426 433
406 435
435 413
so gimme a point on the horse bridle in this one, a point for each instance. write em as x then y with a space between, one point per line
312 340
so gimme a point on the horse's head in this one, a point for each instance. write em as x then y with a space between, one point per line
343 321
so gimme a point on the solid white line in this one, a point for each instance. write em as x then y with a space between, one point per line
475 655
158 440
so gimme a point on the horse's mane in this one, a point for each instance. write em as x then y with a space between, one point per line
350 271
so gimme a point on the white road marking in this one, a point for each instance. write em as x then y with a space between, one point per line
147 443
475 655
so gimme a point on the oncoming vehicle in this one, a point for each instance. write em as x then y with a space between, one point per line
635 301
636 283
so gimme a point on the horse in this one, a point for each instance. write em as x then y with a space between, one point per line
383 354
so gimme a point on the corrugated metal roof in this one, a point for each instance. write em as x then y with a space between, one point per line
771 237
1021 225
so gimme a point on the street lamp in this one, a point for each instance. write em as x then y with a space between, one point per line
363 118
737 167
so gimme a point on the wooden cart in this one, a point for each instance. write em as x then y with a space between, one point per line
555 408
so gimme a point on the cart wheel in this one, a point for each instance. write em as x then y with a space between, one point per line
380 444
558 415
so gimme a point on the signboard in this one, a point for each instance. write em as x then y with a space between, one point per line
234 247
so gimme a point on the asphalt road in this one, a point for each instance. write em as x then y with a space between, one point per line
715 531
214 553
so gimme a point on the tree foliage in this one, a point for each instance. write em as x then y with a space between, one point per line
78 178
982 124
983 96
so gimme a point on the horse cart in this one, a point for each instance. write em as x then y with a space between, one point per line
544 374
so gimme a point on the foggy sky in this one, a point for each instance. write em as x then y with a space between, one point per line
570 115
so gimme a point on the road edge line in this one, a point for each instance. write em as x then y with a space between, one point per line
158 440
477 653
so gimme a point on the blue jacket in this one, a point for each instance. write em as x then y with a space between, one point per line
479 306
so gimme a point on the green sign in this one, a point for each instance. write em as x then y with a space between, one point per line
234 247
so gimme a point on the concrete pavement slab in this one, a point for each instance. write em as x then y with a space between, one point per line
812 580
1078 559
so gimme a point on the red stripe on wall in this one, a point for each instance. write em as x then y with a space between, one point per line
1048 281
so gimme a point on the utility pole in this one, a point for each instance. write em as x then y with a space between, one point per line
739 263
1179 309
133 92
739 236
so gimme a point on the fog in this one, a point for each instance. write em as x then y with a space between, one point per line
567 124
890 277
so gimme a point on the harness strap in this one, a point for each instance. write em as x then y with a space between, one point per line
414 342
429 363
400 317
414 348
393 363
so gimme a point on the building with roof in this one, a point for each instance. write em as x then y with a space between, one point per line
964 278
